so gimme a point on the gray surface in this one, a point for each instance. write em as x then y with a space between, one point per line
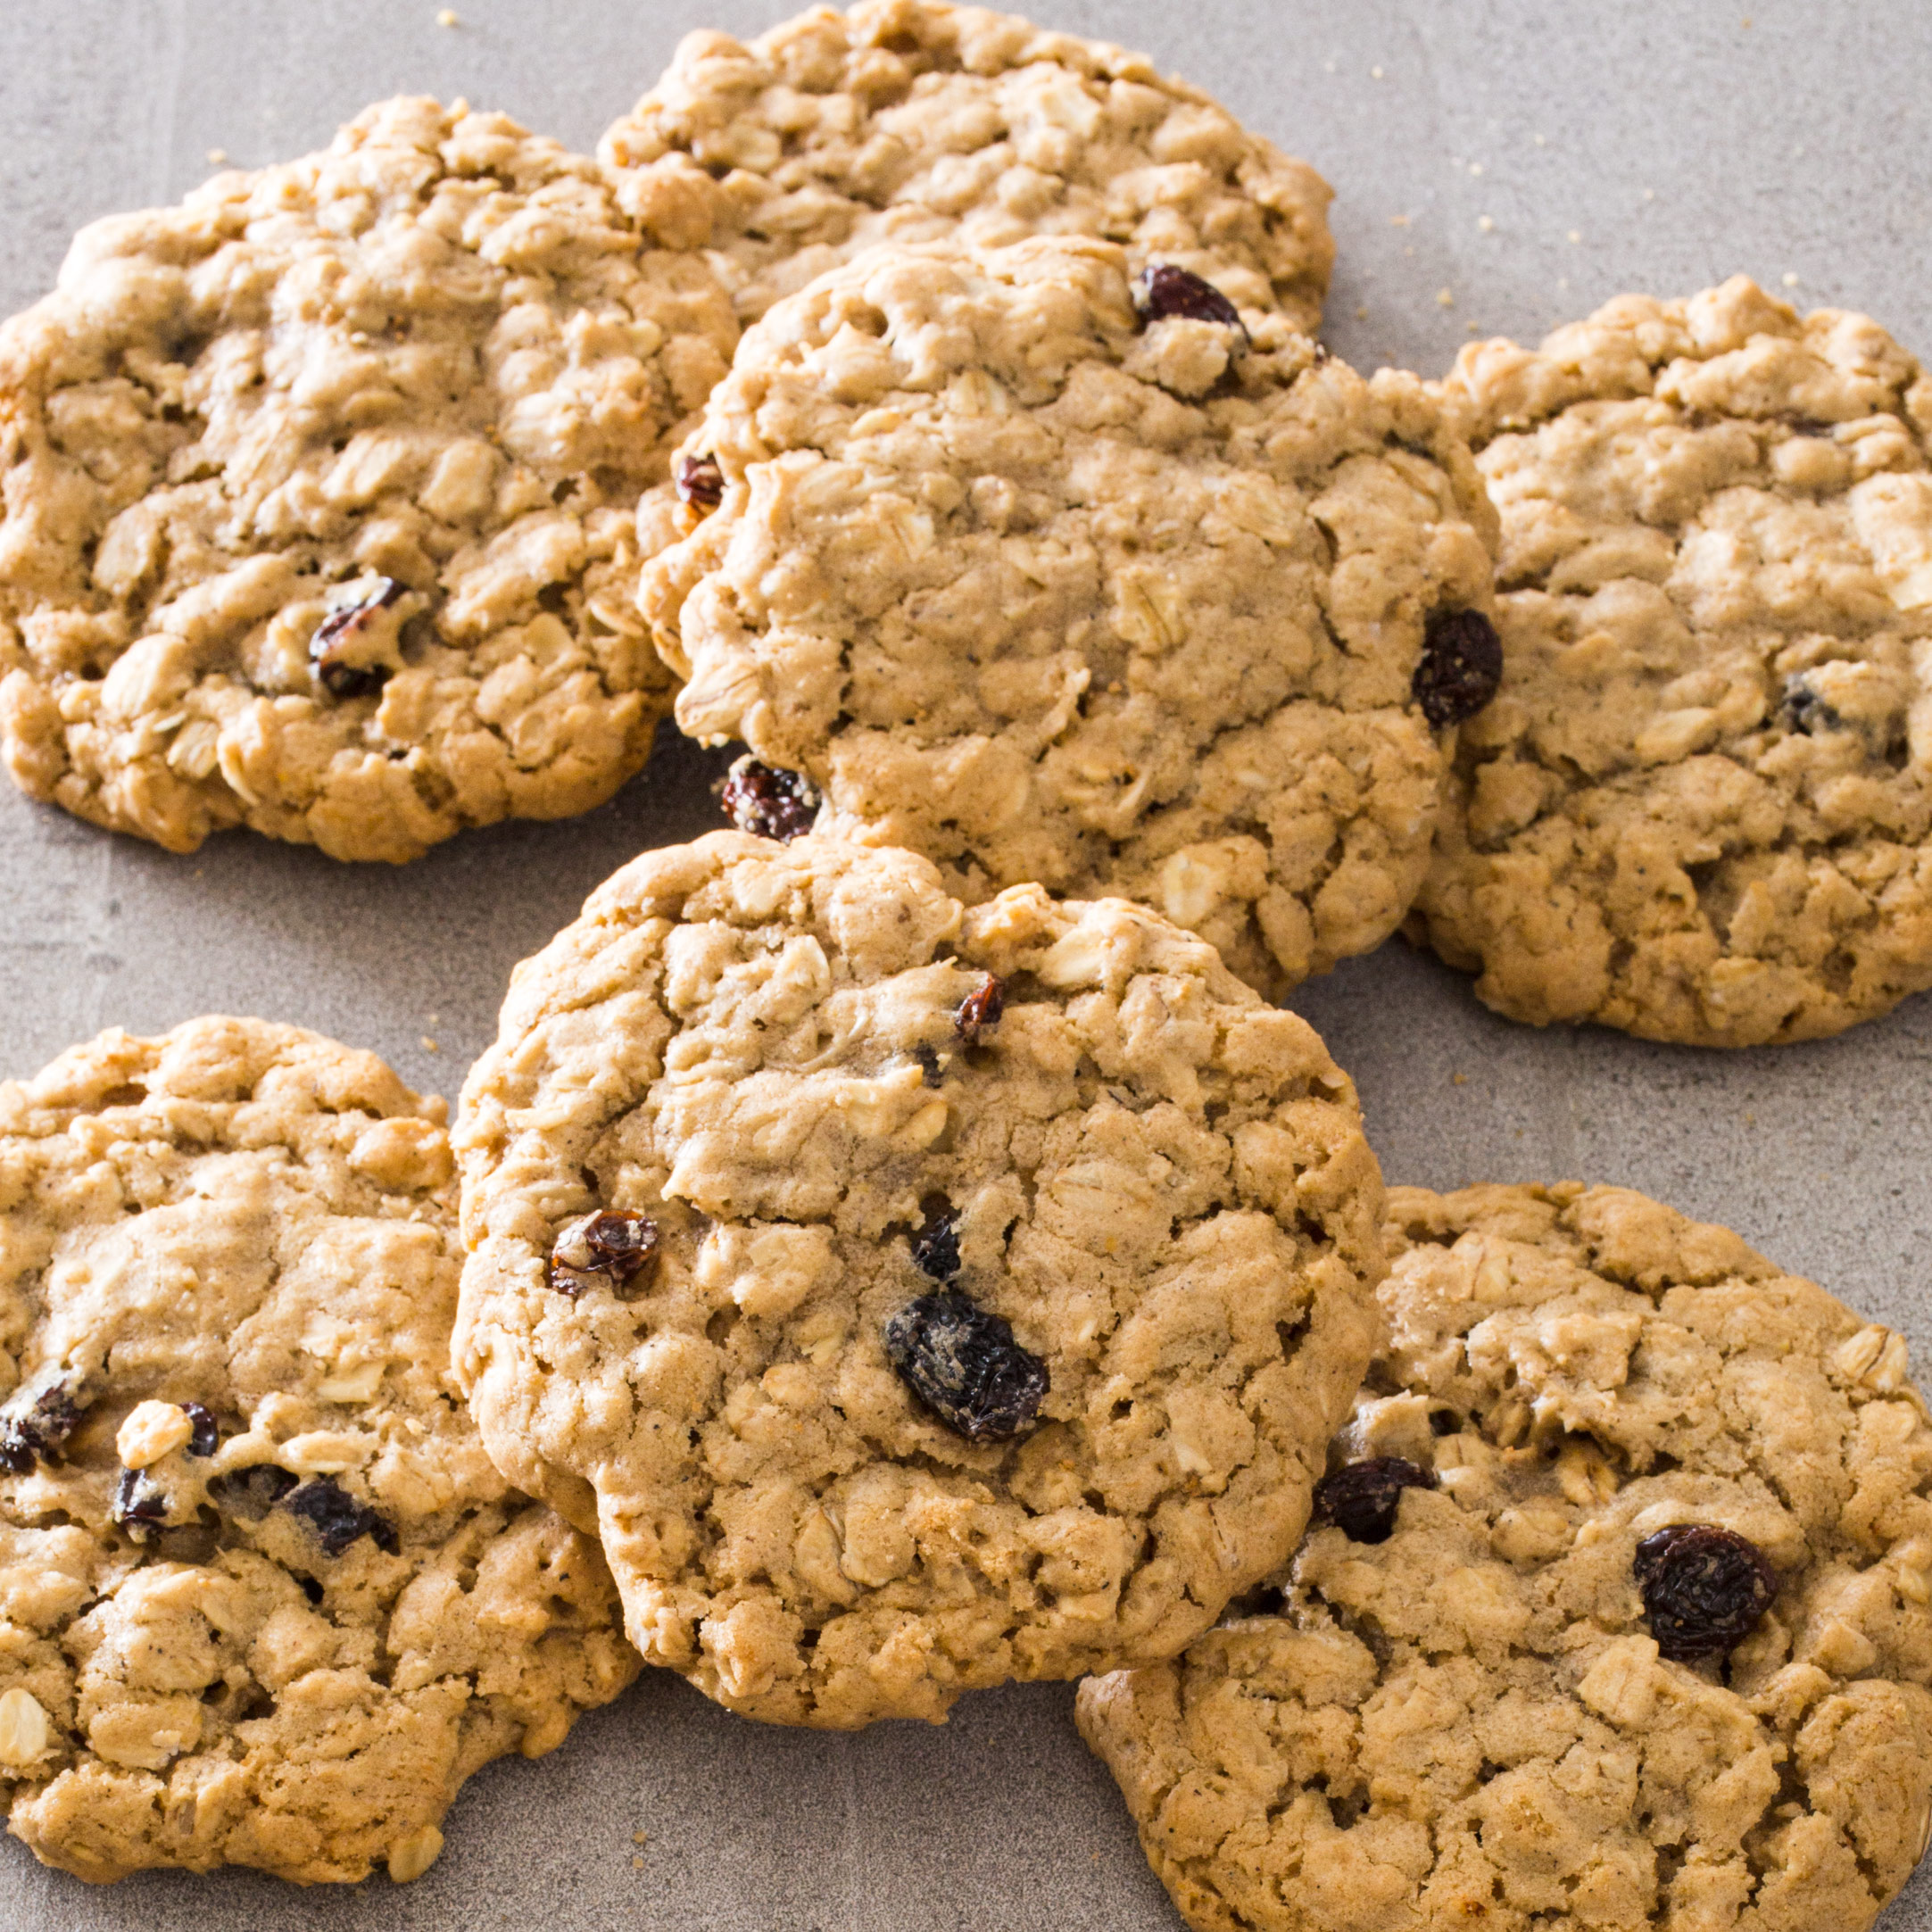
1679 144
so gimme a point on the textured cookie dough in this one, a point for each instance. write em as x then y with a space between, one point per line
1047 593
1701 806
1469 1724
281 1628
909 121
1159 1183
435 364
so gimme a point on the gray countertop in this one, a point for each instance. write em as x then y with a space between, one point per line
1610 148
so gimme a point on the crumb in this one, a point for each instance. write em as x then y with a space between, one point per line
429 1046
1398 221
1475 329
447 18
1408 251
1487 223
1751 1119
640 1838
217 157
637 1864
1475 167
1576 234
1362 314
1746 21
1791 281
1446 297
1458 1079
1375 74
435 1019
1328 67
1650 194
1539 141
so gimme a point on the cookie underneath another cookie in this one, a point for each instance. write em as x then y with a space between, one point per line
266 1601
911 1298
1700 808
1053 574
907 121
1629 1434
320 494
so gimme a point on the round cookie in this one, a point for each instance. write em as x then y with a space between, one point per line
911 1298
911 120
1701 808
1050 586
320 493
1544 1698
265 1600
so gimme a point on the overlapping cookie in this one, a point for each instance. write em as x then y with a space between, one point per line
1701 808
1054 573
911 1298
1616 1614
266 1601
320 493
912 121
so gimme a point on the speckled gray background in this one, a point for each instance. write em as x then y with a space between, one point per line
1610 147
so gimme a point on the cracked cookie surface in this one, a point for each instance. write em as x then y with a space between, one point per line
1049 592
266 1600
907 121
320 493
1472 1722
981 1338
1700 809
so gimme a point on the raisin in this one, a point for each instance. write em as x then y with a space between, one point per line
338 1518
1361 1499
608 1246
339 679
1703 1588
1163 289
771 803
980 1010
206 1436
139 1504
935 1247
253 1492
1803 709
966 1366
38 1419
700 482
1461 666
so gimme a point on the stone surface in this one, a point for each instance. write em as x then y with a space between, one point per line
1815 1154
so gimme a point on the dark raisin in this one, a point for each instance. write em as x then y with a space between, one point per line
338 1518
253 1492
140 1505
207 1437
608 1246
1803 709
935 1247
340 679
966 1366
1703 1588
980 1010
1162 289
1361 1500
930 1074
774 804
1461 666
700 482
36 1420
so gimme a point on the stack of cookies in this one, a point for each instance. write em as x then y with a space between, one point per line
898 1246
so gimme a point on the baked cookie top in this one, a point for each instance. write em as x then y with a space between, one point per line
319 494
1701 808
911 1298
911 120
265 1600
1053 574
1618 1615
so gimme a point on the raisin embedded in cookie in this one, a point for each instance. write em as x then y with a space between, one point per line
1700 808
1053 574
911 1298
911 121
1641 1640
267 1602
320 494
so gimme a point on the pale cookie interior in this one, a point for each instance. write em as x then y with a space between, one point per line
1470 1722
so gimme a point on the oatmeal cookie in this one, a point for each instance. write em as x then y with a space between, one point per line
1616 1616
1700 809
911 1298
911 121
1054 574
320 493
265 1600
